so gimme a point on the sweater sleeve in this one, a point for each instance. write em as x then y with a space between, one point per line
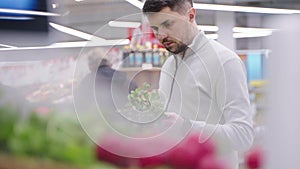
232 97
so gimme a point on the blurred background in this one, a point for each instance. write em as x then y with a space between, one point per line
46 53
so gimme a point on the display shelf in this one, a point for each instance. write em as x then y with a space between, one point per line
143 75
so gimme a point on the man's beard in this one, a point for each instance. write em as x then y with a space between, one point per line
180 48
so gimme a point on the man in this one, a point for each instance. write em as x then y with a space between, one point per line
108 86
204 83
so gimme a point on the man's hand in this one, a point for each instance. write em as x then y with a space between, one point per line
172 118
175 121
171 121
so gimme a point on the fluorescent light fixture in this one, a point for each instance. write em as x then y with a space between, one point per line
212 36
70 44
20 18
233 8
26 48
136 3
244 32
7 46
245 29
27 12
74 32
124 24
252 34
243 35
209 28
236 29
114 42
117 42
54 5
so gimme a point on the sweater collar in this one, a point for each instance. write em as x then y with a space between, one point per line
199 40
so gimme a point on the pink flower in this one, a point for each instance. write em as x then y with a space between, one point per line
254 158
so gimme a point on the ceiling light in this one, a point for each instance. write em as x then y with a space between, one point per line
136 3
233 8
124 24
27 12
25 48
7 46
208 28
74 32
20 18
252 34
81 44
54 6
212 36
243 35
115 42
245 29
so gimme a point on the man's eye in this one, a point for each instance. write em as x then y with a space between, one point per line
168 24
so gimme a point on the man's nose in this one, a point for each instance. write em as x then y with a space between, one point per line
161 35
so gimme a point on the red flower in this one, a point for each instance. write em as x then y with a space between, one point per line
109 149
254 158
189 152
211 162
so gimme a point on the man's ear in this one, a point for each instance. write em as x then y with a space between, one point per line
192 14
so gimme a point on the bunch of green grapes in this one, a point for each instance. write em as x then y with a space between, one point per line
144 105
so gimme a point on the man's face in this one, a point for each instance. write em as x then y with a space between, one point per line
171 29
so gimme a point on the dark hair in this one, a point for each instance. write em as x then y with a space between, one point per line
104 62
175 5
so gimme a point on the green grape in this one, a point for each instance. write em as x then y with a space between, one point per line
143 103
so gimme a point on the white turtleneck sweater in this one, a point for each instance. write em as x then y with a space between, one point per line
211 90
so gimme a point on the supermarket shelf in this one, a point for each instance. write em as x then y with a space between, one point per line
143 75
